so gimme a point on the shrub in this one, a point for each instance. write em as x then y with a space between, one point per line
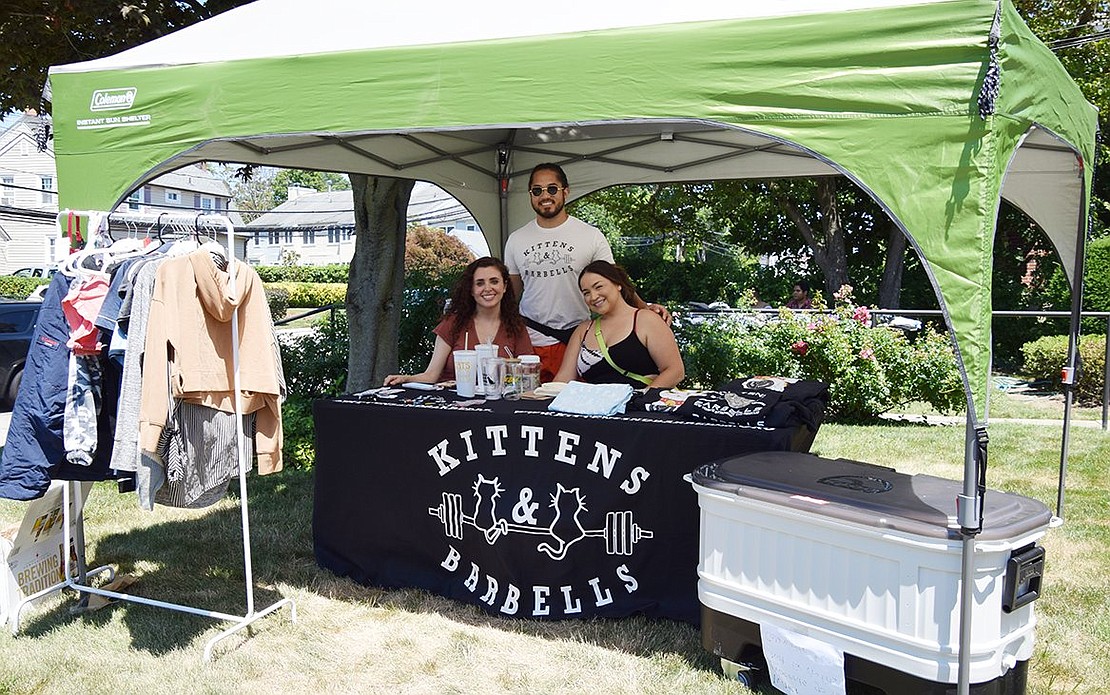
278 299
1096 285
432 250
310 295
19 288
1046 357
426 294
870 370
315 366
316 363
334 273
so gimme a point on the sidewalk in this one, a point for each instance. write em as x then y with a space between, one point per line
961 420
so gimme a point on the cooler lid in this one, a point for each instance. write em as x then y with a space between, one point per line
867 494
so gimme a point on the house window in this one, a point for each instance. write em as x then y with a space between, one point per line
47 186
273 236
206 203
288 234
308 236
134 199
7 192
173 197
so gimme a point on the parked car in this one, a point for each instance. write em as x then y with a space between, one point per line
38 271
17 325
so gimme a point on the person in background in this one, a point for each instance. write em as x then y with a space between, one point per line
545 258
641 348
758 303
799 298
483 309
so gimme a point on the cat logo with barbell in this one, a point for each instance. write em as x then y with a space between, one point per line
620 532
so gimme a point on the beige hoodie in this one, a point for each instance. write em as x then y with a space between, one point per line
190 331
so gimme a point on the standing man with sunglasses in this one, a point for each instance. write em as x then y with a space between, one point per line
544 258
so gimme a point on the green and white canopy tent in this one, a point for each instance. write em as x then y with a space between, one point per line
939 109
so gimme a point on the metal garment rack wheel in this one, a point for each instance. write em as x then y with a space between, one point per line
77 583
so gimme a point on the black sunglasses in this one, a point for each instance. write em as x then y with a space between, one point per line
551 189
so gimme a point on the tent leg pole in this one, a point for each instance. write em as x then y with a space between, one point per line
1106 377
967 597
967 589
1069 393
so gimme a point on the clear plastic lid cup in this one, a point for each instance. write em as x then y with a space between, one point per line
485 352
494 373
466 372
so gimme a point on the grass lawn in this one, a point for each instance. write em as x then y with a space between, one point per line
350 638
1023 403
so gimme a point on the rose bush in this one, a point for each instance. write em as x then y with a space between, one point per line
870 370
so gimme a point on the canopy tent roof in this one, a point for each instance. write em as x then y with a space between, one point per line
471 95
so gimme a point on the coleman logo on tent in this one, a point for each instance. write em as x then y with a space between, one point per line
113 99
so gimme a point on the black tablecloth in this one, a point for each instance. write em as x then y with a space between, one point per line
524 512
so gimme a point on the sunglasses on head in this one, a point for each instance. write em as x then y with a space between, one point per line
551 189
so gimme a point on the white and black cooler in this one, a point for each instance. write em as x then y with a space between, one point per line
867 560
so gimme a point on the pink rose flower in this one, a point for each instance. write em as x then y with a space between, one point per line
867 354
801 347
861 314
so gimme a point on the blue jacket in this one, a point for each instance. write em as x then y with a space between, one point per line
34 453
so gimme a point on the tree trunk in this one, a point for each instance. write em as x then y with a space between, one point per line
890 287
829 252
836 255
375 286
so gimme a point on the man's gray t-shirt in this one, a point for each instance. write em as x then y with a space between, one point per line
548 262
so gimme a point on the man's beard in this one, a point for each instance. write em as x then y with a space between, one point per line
549 213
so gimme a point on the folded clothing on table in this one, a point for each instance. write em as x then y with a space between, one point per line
581 398
760 400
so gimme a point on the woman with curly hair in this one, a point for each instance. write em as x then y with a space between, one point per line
483 309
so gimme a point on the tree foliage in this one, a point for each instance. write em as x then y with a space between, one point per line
304 178
433 250
41 33
826 231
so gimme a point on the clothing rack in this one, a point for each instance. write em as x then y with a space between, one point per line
191 224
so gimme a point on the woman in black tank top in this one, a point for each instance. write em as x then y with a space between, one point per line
641 348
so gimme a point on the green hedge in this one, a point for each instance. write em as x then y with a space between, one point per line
1047 356
19 288
335 273
1096 285
309 295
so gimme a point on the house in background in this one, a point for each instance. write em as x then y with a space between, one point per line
28 198
319 228
29 235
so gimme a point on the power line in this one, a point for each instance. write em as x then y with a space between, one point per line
1076 41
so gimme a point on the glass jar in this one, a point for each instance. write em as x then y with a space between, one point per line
529 373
